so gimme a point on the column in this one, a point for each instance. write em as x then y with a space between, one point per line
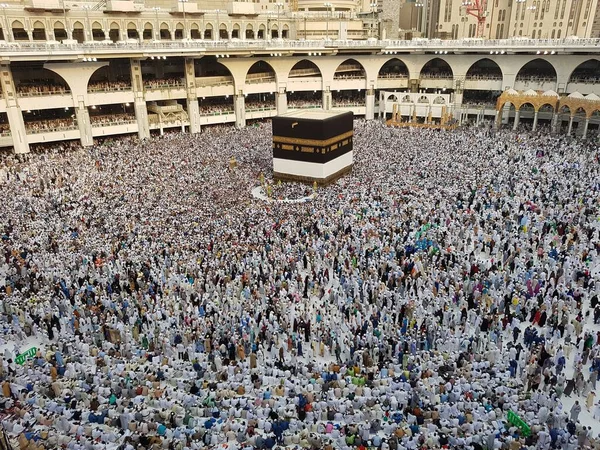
193 109
497 119
459 84
281 101
585 127
517 117
85 124
535 120
139 101
570 126
370 103
554 125
239 105
327 99
13 110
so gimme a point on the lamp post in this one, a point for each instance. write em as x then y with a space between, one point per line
65 16
279 7
6 31
373 6
218 31
183 2
88 36
531 8
418 5
465 15
156 9
327 5
305 26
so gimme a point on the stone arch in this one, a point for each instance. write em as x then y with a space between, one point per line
132 31
235 31
439 100
114 31
546 106
179 29
78 33
393 68
165 31
148 33
209 66
538 67
587 69
39 31
484 67
261 67
564 109
406 99
18 31
305 68
223 31
97 31
24 77
350 68
423 99
250 31
552 105
519 106
195 31
60 33
392 98
208 31
262 31
105 77
436 68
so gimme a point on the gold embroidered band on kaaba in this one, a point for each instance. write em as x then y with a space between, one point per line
315 142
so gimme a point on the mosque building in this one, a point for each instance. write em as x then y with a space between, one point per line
80 71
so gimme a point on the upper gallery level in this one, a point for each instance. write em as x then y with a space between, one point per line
72 50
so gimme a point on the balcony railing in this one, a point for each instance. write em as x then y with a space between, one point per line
49 128
539 45
34 92
216 113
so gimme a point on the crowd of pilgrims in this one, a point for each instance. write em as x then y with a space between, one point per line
452 277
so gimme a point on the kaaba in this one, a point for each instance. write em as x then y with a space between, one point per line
312 145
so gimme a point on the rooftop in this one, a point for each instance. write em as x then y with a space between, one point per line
315 114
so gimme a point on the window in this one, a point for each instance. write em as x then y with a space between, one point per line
537 10
502 31
542 14
553 33
539 33
558 35
498 31
562 11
